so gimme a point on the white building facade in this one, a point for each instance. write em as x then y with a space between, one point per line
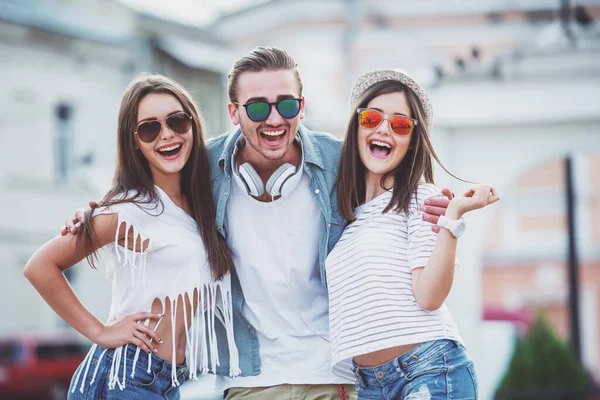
65 66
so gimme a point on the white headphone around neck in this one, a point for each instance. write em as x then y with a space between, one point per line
275 185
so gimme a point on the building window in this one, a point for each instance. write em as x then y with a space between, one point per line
63 143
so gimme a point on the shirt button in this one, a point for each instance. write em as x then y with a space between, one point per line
225 194
404 364
317 191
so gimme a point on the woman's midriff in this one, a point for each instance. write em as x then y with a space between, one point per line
165 331
382 356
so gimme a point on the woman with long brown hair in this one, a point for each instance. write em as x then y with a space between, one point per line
389 274
170 268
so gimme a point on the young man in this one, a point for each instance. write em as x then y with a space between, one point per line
274 190
279 235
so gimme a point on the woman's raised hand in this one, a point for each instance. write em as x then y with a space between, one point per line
129 330
475 198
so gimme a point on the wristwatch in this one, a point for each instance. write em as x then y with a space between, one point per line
455 226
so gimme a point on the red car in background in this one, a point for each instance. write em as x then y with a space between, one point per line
39 366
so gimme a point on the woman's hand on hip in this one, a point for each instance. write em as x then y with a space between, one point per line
129 330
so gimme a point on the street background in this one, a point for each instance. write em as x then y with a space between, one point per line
516 93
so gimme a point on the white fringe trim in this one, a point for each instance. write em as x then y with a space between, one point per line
202 321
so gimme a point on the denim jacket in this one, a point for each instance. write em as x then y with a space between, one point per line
321 158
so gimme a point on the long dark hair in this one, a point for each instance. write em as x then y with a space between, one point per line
416 165
132 180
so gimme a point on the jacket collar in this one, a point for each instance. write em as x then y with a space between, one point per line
310 149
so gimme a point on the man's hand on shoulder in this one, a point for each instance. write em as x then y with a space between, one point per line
436 206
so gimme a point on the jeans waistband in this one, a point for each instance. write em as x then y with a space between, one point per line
405 362
158 365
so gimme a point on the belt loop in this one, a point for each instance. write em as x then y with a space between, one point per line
459 345
359 377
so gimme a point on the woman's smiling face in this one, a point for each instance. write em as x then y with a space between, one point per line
380 149
170 151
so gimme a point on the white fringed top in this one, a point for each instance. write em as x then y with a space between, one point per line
168 261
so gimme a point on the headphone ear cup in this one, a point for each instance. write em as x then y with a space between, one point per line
250 177
277 181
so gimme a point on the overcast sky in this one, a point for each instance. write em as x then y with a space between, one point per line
194 12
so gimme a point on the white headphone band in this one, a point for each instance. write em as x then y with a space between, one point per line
251 180
275 185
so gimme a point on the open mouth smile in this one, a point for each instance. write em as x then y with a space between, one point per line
170 151
273 137
379 148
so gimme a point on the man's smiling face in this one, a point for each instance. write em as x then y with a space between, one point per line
273 137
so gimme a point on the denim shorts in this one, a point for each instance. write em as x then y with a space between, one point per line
433 370
157 384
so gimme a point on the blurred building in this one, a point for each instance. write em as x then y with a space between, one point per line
525 249
511 122
335 41
64 66
531 274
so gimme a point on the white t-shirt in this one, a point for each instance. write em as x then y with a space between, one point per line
369 274
275 248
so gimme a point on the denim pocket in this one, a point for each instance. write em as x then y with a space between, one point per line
431 366
141 378
471 369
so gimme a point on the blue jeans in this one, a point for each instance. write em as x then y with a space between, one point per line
433 370
143 386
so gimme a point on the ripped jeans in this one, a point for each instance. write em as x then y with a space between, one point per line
433 370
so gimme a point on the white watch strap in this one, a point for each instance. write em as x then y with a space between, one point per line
444 222
456 227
